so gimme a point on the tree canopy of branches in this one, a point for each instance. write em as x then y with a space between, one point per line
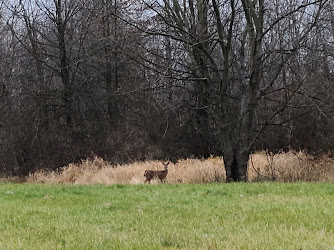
130 80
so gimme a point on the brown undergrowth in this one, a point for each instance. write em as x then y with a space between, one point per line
263 166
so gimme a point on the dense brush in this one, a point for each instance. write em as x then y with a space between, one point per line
263 166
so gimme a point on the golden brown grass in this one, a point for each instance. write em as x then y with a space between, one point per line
290 166
263 166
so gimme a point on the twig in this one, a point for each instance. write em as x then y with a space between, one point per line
251 158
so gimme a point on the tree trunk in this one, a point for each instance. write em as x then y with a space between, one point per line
35 52
110 30
64 64
236 157
236 165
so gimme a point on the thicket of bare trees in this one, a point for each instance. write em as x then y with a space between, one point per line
130 80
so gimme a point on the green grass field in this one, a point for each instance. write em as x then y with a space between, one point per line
198 216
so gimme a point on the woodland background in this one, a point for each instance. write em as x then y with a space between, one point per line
134 80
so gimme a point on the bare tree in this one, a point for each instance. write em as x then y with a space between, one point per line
227 48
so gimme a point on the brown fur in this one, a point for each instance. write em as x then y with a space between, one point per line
161 175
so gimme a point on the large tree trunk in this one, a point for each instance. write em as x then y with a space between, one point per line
110 31
202 88
64 64
236 155
236 165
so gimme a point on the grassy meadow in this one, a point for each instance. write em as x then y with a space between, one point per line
96 205
267 215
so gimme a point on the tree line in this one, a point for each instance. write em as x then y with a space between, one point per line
163 79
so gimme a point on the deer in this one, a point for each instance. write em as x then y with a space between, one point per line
161 175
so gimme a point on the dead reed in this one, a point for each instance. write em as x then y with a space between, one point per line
263 166
290 167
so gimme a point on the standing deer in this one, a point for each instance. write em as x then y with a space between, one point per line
150 174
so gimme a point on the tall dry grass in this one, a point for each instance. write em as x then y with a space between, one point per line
263 166
290 166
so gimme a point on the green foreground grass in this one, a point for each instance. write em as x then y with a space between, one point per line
201 216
